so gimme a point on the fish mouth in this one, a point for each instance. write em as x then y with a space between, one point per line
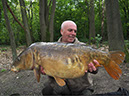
14 69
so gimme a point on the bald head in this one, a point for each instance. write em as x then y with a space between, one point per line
67 23
68 31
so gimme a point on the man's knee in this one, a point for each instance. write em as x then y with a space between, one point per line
87 92
55 90
48 90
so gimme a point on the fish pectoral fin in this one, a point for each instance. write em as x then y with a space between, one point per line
60 81
37 73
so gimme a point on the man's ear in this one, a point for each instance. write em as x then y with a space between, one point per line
61 31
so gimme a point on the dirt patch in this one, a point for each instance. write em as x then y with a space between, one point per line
24 82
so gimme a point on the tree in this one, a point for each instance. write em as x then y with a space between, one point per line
92 20
87 14
42 4
114 27
46 19
102 21
31 19
11 34
76 10
52 21
25 22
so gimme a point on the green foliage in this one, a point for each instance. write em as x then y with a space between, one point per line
4 49
126 50
76 10
127 43
72 10
98 38
127 55
124 12
4 38
2 70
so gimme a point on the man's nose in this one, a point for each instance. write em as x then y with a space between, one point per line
73 32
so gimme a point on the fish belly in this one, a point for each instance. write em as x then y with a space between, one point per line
59 68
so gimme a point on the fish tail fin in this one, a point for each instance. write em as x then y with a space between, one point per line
117 56
112 68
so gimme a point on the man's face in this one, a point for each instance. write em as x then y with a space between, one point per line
69 33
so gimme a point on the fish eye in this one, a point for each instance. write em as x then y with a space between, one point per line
18 58
12 66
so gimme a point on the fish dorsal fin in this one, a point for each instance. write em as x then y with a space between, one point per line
117 56
37 73
60 81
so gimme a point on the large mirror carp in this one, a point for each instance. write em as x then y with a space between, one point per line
62 61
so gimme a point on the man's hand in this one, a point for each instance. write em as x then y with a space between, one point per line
91 66
42 70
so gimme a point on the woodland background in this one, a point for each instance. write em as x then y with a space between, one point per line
101 23
23 22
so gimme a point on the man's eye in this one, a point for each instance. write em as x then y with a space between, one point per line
70 30
75 31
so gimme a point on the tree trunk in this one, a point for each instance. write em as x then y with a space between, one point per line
25 22
52 21
114 26
15 17
11 34
46 14
102 21
42 19
0 15
87 14
92 21
31 20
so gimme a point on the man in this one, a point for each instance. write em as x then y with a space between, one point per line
78 86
